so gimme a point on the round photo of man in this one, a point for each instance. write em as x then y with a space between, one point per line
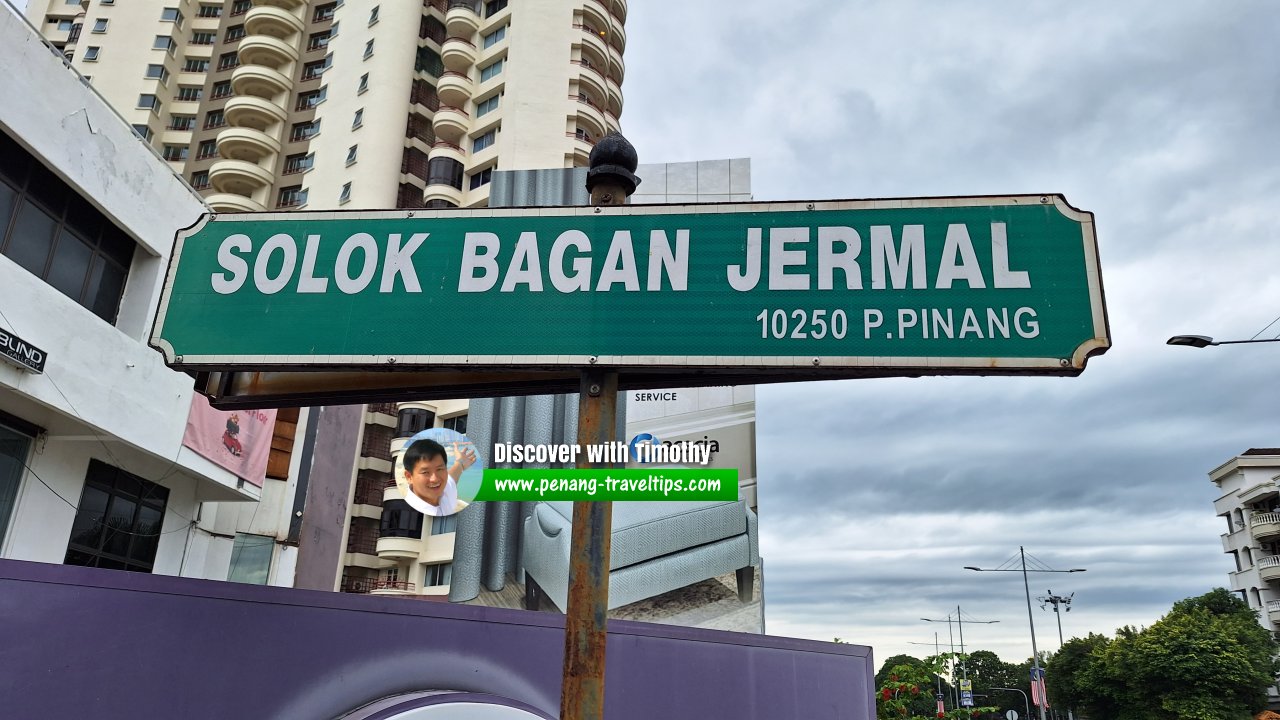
439 472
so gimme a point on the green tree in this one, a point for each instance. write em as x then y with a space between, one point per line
1067 675
904 690
987 671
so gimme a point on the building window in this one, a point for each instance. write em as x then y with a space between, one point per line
214 119
190 93
444 525
57 236
182 122
207 149
91 53
200 180
210 11
438 204
364 84
64 25
100 25
481 178
158 72
314 69
221 89
358 120
495 37
147 101
198 65
484 141
240 7
411 421
400 520
368 50
490 71
345 195
292 197
373 15
14 446
164 42
298 163
173 15
436 575
118 520
324 12
251 558
487 106
235 32
493 7
203 38
444 171
428 61
304 131
175 153
143 131
351 154
226 61
457 423
318 41
308 100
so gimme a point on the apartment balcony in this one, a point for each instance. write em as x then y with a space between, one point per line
615 98
1264 525
617 68
274 21
440 191
450 123
260 81
377 417
254 112
458 54
1273 610
392 587
244 143
285 4
595 14
619 9
266 50
444 148
238 176
454 88
231 202
591 116
592 38
1269 568
590 78
362 540
463 17
400 548
581 147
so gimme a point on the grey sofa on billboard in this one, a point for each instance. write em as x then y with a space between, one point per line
656 547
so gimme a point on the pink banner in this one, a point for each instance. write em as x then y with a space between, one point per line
238 440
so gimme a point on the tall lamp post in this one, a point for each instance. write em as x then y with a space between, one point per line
1035 652
964 666
1056 601
936 652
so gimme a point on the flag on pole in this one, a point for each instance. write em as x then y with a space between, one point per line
1038 695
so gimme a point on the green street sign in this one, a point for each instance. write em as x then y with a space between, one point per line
983 285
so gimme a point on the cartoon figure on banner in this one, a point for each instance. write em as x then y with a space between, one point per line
439 472
229 439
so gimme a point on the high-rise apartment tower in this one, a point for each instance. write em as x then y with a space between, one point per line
279 104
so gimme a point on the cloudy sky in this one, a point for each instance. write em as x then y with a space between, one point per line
1160 118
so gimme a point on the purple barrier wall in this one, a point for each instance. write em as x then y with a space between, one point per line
78 642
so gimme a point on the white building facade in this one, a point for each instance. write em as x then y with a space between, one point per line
92 466
1250 506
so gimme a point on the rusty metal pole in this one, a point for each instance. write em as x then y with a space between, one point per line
610 180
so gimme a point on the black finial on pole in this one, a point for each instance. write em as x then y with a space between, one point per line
613 161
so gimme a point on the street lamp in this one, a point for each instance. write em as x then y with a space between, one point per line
1200 341
964 665
1035 653
1024 698
1057 600
936 652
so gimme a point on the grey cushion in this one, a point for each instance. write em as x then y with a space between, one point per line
646 530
